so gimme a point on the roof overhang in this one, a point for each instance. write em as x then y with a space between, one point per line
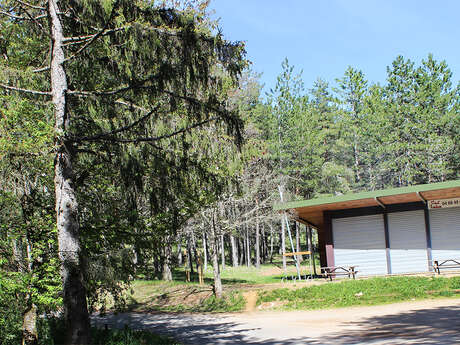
311 211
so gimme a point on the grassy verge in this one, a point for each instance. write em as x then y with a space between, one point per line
52 332
359 292
128 337
181 297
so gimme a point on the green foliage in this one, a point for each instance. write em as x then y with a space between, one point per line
362 292
10 312
53 332
148 132
362 136
128 336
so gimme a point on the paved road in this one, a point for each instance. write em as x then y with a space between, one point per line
421 322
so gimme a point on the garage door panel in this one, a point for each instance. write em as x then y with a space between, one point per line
445 233
408 247
360 241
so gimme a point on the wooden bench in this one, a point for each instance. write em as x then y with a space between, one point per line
334 271
451 263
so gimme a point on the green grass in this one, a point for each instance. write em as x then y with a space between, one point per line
361 292
52 332
151 295
128 337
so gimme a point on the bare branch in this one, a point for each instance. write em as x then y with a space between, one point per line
119 130
126 88
13 16
22 18
97 35
43 69
34 92
31 6
34 19
131 105
80 39
99 93
109 136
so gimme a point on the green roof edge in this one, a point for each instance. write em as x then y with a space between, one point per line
366 195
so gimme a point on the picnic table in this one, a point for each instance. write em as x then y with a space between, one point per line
449 263
333 271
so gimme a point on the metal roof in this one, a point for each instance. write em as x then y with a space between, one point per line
312 210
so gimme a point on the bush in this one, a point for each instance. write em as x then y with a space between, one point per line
52 332
10 314
229 303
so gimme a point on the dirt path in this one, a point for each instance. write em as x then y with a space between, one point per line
417 322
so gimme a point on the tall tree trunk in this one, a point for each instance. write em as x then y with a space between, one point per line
234 251
70 252
29 319
271 242
264 244
190 255
222 246
297 240
167 262
248 248
195 250
257 243
310 247
283 242
215 260
179 250
29 326
205 252
241 251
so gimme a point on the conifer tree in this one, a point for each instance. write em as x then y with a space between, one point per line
115 74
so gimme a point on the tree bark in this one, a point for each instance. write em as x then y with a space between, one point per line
215 261
190 255
297 241
179 250
271 243
222 242
283 242
70 252
257 243
29 318
234 251
241 251
311 248
248 248
29 326
264 246
205 252
167 262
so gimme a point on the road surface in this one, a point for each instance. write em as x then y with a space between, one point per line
417 322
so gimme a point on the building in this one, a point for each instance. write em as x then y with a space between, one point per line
392 231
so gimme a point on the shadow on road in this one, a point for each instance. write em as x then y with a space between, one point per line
439 325
426 326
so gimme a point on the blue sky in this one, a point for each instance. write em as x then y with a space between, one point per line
323 37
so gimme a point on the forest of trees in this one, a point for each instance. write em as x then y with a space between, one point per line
135 139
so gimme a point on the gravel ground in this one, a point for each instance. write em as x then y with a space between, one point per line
416 322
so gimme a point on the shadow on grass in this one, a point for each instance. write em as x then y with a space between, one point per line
179 276
427 326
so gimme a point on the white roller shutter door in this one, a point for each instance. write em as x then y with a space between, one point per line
360 241
445 233
408 249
